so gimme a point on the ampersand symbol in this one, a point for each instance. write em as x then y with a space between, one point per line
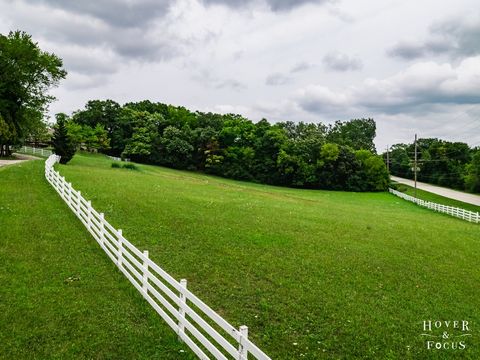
445 335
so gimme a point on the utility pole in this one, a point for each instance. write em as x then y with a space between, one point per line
415 165
388 160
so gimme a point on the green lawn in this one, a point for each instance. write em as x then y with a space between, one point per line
314 274
60 296
428 196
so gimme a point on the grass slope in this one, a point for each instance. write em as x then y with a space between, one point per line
314 274
428 196
60 296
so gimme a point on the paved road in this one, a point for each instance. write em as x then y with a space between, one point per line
449 193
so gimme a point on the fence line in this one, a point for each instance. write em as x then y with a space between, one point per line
36 151
196 324
116 158
450 210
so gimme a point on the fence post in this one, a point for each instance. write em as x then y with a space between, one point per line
79 196
242 349
69 191
120 248
145 272
89 214
181 310
102 229
64 193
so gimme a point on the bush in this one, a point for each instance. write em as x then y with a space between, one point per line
130 166
116 165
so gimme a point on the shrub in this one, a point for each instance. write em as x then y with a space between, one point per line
130 166
116 165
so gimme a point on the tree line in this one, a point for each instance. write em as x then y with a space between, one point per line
338 157
450 164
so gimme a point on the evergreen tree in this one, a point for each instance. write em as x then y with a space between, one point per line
62 142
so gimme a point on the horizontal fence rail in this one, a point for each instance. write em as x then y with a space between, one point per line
450 210
35 151
196 324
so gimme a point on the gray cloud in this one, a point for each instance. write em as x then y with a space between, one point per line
230 83
301 66
83 26
337 61
419 89
407 50
456 37
275 5
277 79
89 62
118 13
78 81
134 30
207 78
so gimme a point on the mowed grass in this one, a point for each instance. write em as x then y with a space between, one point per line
60 296
314 274
428 196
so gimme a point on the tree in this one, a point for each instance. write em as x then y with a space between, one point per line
472 179
7 134
26 75
357 133
62 142
175 148
373 174
140 145
38 133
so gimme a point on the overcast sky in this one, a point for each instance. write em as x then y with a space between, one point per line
413 66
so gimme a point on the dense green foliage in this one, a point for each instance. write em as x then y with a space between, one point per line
340 157
62 141
26 74
330 275
61 296
450 164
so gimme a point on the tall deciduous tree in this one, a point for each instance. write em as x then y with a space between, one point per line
26 75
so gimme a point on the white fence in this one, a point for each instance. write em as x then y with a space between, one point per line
202 329
115 158
450 210
35 151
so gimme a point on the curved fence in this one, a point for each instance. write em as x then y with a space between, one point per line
450 210
201 328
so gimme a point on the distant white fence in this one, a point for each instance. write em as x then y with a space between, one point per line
115 158
450 210
204 332
35 151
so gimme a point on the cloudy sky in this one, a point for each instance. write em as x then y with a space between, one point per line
414 66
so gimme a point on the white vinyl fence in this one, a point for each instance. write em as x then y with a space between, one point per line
201 328
450 210
35 151
116 158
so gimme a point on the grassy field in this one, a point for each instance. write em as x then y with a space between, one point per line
60 296
314 274
428 196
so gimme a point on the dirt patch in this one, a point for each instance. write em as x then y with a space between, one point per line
19 158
